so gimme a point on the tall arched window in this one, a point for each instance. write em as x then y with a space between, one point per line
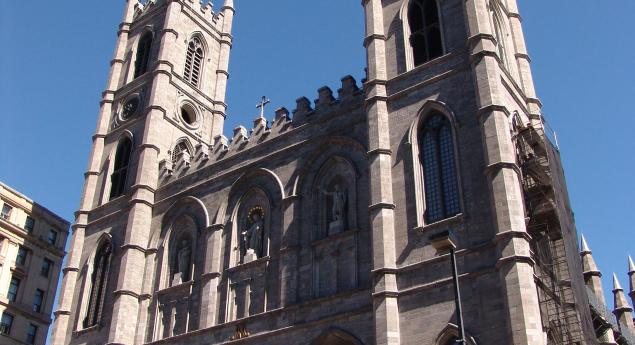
120 172
439 168
194 61
143 54
99 284
425 30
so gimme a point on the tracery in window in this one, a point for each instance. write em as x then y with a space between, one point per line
180 148
143 54
425 30
99 283
439 168
194 61
120 171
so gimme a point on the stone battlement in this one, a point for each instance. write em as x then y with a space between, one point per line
349 96
204 7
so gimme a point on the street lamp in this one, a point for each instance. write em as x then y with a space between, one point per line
443 243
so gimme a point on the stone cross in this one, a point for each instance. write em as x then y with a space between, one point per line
262 105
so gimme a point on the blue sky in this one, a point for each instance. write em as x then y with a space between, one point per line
55 57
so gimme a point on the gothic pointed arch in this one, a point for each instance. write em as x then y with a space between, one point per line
423 31
98 275
181 148
432 139
144 49
121 164
336 336
500 31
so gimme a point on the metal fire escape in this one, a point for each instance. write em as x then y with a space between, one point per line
557 301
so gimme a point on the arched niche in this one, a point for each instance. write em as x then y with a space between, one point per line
251 222
184 221
336 337
335 197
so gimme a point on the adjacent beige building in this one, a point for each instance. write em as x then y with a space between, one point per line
32 241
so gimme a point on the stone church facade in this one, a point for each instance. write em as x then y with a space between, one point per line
314 227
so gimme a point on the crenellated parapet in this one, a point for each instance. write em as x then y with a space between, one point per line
325 107
205 8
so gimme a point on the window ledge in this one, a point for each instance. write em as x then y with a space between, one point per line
441 224
175 287
86 330
327 239
256 262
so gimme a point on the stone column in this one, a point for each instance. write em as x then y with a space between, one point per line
623 312
523 61
631 275
289 253
514 265
211 278
222 74
592 276
381 207
62 327
128 292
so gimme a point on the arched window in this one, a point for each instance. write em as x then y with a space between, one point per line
439 168
194 61
143 54
120 172
425 30
178 149
99 284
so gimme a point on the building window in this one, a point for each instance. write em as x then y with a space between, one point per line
143 54
46 267
52 237
500 35
29 224
178 149
14 286
120 173
99 284
6 212
31 333
425 30
20 259
439 168
38 300
194 61
5 323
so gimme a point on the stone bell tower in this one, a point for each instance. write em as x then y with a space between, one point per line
164 103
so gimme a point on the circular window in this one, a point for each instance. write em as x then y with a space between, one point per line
130 108
188 115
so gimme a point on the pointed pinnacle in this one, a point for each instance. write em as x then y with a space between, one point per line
631 265
585 246
616 284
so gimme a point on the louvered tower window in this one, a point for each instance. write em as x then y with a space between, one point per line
425 30
120 172
439 168
99 284
143 54
178 149
194 62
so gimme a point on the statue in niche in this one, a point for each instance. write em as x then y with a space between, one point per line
337 219
252 235
183 263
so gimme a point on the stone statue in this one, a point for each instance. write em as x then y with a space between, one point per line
183 259
338 211
252 237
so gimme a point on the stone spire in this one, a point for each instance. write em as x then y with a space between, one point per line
592 276
623 312
631 275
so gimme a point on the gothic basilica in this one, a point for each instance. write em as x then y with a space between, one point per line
319 226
